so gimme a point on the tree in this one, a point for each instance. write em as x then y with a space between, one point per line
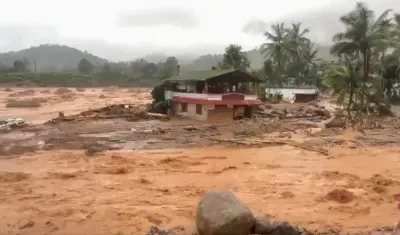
85 66
277 49
106 68
170 67
235 58
19 65
149 70
363 34
343 80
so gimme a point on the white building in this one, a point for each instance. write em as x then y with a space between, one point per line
290 93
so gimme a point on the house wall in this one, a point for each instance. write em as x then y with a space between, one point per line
220 113
191 112
288 93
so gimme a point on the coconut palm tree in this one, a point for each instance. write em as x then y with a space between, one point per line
298 41
363 33
277 47
343 80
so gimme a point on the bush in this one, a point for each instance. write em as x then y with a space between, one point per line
277 97
62 90
80 89
102 96
8 89
27 103
23 93
110 89
45 91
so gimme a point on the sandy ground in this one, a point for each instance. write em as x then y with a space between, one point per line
63 191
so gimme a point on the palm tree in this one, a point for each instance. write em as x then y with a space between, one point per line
343 80
277 47
362 34
298 40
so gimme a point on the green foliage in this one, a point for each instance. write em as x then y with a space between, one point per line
235 58
19 66
85 66
290 56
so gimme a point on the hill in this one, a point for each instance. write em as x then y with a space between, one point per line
50 58
63 58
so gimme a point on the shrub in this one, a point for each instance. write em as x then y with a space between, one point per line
110 89
8 89
80 89
45 91
23 93
27 103
62 90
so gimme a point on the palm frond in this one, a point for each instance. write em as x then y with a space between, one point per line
381 19
340 48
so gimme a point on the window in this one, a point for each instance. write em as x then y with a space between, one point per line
199 109
183 107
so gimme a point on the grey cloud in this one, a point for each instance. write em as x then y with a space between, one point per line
255 27
324 21
17 36
179 17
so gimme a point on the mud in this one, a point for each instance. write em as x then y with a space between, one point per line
146 176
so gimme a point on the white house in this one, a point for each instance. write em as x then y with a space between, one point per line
289 93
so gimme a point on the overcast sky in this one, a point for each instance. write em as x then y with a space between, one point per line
125 29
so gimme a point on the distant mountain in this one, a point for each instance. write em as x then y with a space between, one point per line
58 57
50 57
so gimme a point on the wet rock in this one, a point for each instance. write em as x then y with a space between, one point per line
29 224
335 122
92 150
219 212
267 106
156 231
325 113
313 103
284 228
396 230
262 226
190 128
311 109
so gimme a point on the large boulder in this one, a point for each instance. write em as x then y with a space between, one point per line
219 212
262 226
335 122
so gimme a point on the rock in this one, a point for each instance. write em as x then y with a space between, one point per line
219 212
396 230
335 121
92 150
311 109
313 103
284 228
260 107
190 128
267 106
262 226
325 113
156 231
29 224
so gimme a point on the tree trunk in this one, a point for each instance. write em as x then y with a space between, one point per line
350 104
365 54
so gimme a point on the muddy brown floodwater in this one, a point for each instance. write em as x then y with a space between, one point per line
63 191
